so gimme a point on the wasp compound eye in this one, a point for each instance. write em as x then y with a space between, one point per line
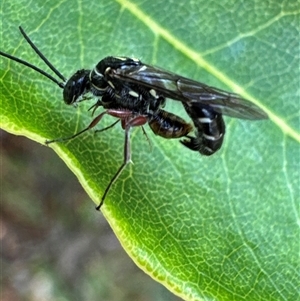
76 87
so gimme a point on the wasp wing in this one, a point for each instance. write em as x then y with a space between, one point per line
194 93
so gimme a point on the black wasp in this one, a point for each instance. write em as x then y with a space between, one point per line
135 94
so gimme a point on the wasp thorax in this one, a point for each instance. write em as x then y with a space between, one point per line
76 86
115 62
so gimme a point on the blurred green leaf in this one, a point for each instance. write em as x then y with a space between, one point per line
222 228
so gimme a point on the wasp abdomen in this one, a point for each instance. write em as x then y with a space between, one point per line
210 128
169 125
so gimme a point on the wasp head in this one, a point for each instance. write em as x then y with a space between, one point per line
76 87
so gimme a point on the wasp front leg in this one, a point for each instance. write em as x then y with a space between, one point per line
94 122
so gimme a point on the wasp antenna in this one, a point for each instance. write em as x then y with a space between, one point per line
39 53
16 59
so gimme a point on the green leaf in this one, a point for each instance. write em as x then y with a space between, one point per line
217 228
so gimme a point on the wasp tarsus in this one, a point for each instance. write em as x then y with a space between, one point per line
135 94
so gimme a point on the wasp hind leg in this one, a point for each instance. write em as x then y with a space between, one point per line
127 124
127 159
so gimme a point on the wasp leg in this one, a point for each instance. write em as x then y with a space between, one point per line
119 171
108 127
95 106
128 124
94 122
147 138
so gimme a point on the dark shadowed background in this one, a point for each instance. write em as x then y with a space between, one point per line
54 244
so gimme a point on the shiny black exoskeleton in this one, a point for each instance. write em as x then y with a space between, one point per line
136 93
